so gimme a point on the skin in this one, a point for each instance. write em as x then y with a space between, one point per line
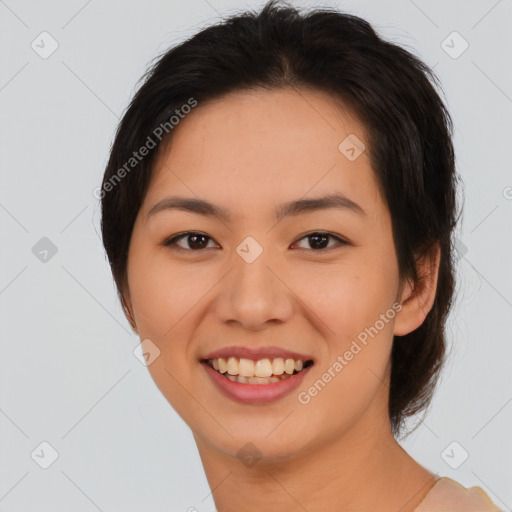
249 152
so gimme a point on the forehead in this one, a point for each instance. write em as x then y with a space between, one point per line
264 147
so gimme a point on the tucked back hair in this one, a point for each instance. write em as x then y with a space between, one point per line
392 92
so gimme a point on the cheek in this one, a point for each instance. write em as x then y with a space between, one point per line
348 296
164 293
358 342
167 299
354 301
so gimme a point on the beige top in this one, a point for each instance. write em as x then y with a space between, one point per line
447 495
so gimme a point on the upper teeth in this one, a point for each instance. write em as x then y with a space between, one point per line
260 368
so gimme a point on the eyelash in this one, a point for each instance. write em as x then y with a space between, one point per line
171 242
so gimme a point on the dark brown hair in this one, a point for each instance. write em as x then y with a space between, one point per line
391 91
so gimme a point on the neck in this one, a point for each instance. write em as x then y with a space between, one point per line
364 469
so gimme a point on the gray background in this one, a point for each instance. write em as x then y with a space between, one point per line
68 374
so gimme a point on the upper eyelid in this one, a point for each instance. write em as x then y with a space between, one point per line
341 241
173 239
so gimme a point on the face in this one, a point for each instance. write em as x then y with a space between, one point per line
320 282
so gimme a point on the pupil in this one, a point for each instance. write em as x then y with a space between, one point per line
193 244
316 243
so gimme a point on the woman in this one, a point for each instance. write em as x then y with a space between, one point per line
278 210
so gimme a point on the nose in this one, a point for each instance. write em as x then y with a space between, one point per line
254 295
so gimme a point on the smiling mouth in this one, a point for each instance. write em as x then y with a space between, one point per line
261 371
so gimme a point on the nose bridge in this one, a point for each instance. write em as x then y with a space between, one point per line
252 295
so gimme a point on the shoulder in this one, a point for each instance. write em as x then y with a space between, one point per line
447 495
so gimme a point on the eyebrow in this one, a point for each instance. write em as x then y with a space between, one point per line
291 208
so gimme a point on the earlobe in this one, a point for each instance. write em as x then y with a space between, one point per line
417 299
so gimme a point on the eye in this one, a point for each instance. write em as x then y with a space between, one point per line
319 241
195 241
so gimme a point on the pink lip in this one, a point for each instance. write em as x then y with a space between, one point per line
254 393
257 353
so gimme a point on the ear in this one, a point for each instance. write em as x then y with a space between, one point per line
128 311
417 300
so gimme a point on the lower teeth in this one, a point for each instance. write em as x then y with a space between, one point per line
257 380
